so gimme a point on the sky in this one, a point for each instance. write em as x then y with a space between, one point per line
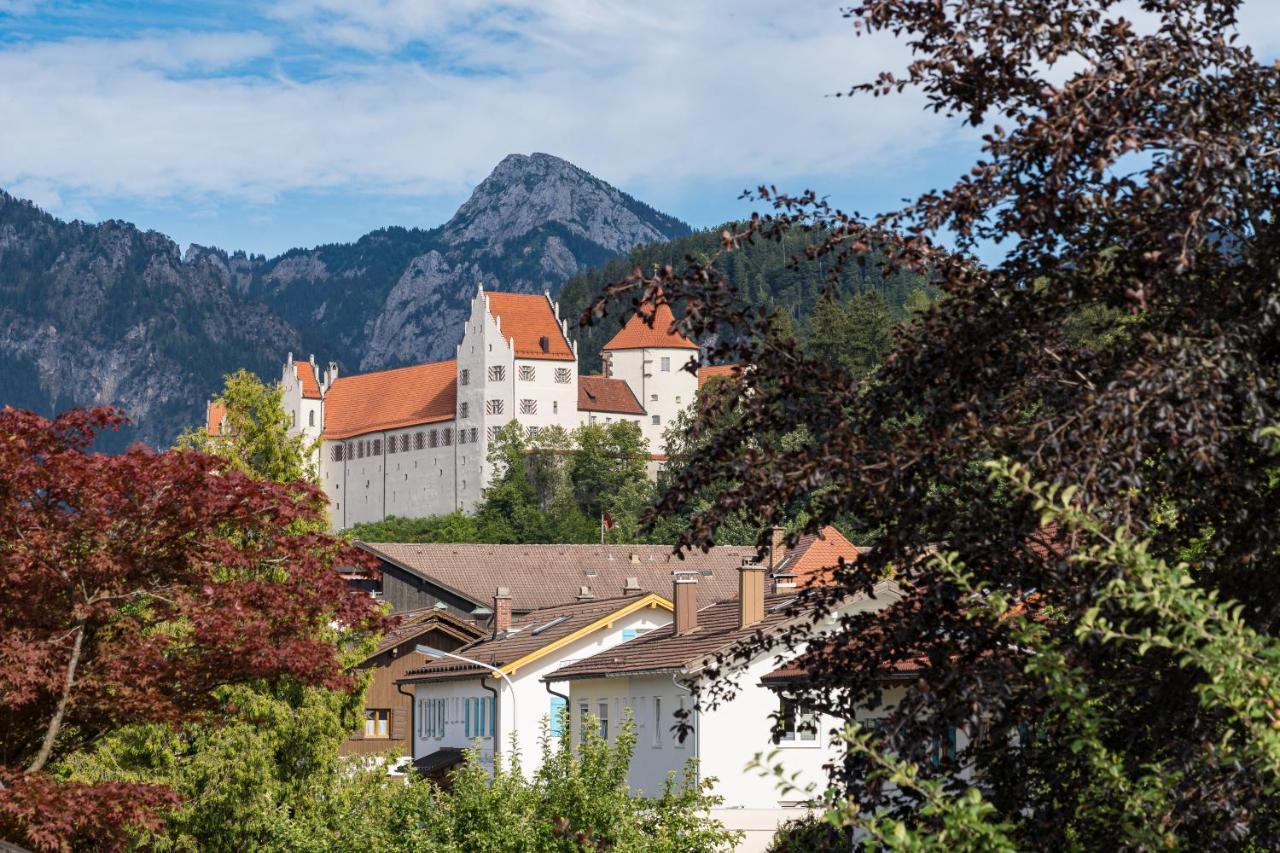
278 123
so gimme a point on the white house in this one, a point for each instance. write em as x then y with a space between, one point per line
459 703
653 677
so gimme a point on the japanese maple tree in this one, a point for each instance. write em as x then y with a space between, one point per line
133 586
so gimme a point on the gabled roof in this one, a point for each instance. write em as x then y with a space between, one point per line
307 376
390 399
536 635
213 418
527 319
605 394
815 557
637 334
415 623
662 650
706 374
545 575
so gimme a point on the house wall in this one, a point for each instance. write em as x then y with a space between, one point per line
662 393
406 591
532 701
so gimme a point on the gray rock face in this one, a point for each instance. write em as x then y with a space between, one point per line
108 314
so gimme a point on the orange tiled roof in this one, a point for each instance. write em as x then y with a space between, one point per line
815 556
706 374
637 334
307 376
216 412
390 399
604 394
527 319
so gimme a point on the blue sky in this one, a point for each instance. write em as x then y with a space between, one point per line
280 123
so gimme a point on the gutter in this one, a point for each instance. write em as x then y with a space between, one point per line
497 726
413 731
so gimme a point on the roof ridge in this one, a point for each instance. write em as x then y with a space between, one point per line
394 369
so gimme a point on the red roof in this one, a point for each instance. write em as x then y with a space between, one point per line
390 399
527 319
307 376
816 556
637 334
217 411
705 374
604 394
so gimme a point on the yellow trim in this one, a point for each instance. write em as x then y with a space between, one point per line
650 600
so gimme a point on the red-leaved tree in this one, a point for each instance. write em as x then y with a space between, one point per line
131 587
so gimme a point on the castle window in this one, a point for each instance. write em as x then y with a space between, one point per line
677 399
526 373
528 407
666 364
433 439
492 432
391 445
446 437
377 447
657 419
494 407
532 432
497 373
562 375
475 435
653 398
337 453
462 410
462 436
419 440
311 418
404 443
360 449
555 407
293 418
464 377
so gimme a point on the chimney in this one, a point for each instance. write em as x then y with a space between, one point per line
632 586
750 593
501 611
585 593
777 545
684 594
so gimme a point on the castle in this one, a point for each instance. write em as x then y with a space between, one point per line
413 441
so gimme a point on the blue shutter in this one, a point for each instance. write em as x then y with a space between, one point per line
558 705
466 707
492 716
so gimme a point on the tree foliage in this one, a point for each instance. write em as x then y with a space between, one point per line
1128 171
134 588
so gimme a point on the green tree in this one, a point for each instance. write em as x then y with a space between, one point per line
855 333
609 462
456 526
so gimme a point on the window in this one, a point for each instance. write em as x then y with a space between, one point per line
464 377
528 407
377 723
677 399
555 407
311 418
293 419
653 398
527 373
497 373
433 440
494 407
391 444
462 436
558 706
944 750
446 437
493 433
657 419
563 375
583 718
666 364
475 434
337 453
795 722
377 447
604 720
532 431
419 440
657 722
360 449
462 410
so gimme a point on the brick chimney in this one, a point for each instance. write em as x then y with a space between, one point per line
684 595
501 611
777 546
750 593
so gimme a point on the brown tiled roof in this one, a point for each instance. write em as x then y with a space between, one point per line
307 376
545 575
526 319
414 623
213 417
637 334
706 374
390 399
604 394
530 633
815 556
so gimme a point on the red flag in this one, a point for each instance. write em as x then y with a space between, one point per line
607 521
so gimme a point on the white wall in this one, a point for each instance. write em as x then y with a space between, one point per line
664 394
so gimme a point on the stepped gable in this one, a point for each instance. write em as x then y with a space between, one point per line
529 321
706 374
603 394
307 376
391 399
637 334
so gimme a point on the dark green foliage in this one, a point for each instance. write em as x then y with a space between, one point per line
811 834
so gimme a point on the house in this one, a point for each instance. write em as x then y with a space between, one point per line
387 710
499 688
461 578
652 678
413 441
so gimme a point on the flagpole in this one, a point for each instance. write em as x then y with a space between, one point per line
602 528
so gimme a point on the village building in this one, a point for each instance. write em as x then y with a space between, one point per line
499 689
413 441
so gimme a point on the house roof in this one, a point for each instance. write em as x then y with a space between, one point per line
637 334
706 374
815 556
414 623
662 650
535 635
526 319
545 575
307 376
605 394
390 399
216 412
